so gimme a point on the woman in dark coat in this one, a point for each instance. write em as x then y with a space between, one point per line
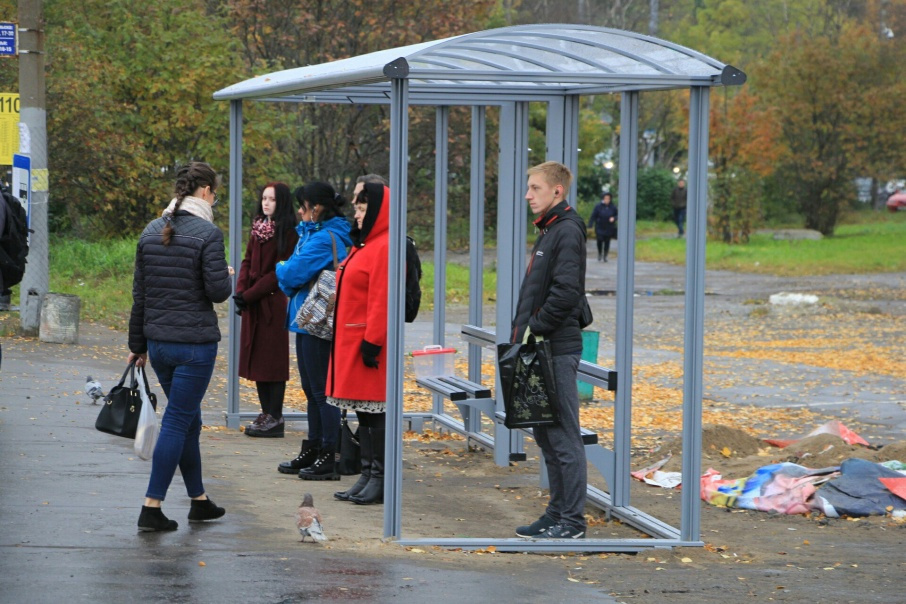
604 219
357 377
180 273
264 341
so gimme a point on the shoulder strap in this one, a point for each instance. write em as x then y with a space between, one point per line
333 242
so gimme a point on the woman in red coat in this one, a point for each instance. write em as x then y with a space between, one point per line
357 376
264 341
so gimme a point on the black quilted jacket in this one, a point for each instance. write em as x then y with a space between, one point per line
175 287
554 284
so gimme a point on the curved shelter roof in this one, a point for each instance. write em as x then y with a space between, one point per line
525 62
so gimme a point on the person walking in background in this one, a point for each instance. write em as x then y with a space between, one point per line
323 235
357 377
180 272
604 220
264 340
678 199
549 305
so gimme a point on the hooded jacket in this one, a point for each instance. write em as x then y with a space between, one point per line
554 284
175 286
313 253
361 310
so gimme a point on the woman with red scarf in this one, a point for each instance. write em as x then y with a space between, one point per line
264 341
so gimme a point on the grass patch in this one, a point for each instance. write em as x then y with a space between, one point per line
457 285
866 247
100 273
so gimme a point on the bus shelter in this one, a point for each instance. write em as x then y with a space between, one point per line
509 68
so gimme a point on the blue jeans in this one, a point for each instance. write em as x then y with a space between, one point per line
184 371
313 358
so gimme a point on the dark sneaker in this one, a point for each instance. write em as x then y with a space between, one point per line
536 528
562 531
269 428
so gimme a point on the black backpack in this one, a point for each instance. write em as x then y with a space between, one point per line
13 240
413 276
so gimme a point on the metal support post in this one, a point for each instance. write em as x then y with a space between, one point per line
232 417
441 170
622 431
393 451
694 330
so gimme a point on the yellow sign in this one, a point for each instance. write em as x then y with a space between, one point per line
9 127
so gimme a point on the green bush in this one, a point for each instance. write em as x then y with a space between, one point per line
654 188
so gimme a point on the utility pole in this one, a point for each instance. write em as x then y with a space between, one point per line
33 129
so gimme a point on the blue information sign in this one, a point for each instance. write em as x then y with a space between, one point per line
8 39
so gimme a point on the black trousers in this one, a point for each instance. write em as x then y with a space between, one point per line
270 395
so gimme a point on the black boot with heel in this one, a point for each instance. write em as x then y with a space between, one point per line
365 448
373 492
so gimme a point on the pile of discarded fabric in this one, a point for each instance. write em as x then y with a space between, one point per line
855 488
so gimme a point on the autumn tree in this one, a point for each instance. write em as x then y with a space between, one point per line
744 148
817 87
129 98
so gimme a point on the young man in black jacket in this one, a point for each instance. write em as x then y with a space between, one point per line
550 303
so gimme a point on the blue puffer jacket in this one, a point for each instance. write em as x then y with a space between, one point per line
313 253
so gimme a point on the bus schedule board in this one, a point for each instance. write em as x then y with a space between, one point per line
8 39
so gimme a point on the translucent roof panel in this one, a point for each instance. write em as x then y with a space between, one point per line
547 59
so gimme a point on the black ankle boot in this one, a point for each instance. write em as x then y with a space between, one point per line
324 467
365 447
204 509
307 456
153 519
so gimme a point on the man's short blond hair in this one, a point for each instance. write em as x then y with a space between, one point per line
554 173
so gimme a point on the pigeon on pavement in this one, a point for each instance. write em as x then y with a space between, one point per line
309 520
94 389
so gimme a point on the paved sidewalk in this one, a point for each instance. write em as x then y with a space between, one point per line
71 496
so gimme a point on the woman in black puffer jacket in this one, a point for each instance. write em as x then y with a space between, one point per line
180 272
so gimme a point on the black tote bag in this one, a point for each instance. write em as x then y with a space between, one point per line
350 459
526 372
123 405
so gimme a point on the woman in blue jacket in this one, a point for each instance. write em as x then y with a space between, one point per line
323 229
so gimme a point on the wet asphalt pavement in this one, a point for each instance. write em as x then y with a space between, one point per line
70 499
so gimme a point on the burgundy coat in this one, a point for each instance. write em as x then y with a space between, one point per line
264 341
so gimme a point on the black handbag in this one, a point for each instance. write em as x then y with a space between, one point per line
526 372
123 405
350 461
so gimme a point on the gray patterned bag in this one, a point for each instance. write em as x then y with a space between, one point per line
316 314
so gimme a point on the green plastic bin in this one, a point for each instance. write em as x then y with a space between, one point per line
590 354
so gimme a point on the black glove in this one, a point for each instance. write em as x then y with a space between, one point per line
370 354
241 304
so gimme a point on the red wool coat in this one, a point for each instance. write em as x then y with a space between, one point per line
264 341
361 314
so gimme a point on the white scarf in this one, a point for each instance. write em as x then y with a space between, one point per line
193 205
